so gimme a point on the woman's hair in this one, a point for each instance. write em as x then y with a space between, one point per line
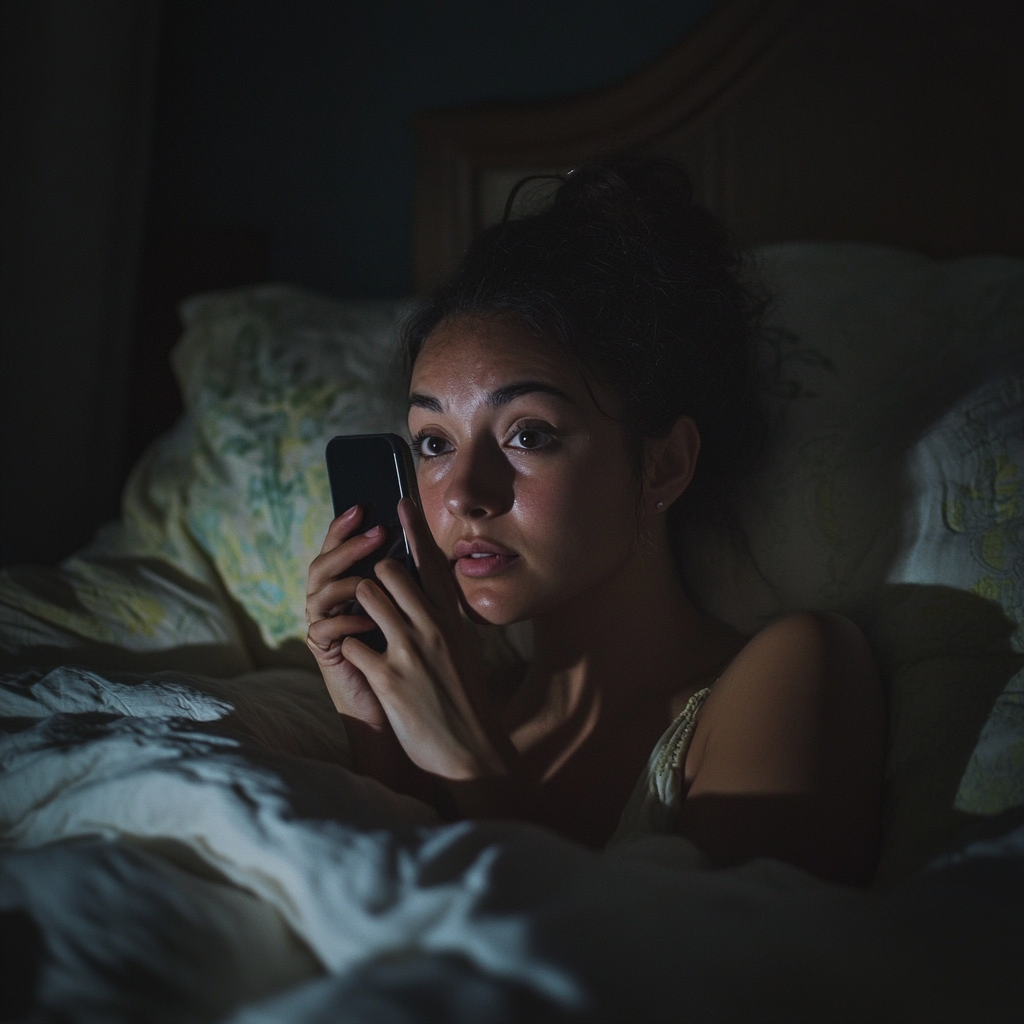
640 287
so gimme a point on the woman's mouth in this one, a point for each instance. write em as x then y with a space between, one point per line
479 558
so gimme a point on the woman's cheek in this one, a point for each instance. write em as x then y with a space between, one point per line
432 506
595 511
556 516
546 506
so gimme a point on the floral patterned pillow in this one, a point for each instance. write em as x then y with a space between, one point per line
221 516
949 627
269 375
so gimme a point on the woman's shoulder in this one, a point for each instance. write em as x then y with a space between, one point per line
787 756
799 653
804 689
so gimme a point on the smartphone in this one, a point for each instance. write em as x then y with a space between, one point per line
375 471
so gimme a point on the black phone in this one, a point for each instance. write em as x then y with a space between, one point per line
375 471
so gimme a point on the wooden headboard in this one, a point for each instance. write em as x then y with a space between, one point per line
897 121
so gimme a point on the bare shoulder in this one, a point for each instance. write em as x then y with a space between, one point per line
795 726
808 664
802 639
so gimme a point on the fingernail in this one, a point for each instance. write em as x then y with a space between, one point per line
373 531
349 512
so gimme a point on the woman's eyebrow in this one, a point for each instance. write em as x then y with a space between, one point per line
508 393
428 402
501 396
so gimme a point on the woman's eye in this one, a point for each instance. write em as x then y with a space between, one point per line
431 445
530 438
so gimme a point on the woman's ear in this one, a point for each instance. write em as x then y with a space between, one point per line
670 464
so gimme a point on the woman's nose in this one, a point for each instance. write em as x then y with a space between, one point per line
480 484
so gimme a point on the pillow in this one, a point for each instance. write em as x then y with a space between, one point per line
954 652
877 346
220 519
268 376
893 494
143 595
206 570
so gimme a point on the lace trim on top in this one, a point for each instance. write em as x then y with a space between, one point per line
654 802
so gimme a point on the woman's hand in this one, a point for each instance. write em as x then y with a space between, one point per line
327 598
429 681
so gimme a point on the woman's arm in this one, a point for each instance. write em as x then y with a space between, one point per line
786 759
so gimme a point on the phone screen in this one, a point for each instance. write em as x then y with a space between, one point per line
375 471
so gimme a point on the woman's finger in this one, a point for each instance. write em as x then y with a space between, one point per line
365 659
331 599
325 633
341 527
435 575
383 611
351 694
406 593
336 561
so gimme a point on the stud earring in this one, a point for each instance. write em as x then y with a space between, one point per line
660 505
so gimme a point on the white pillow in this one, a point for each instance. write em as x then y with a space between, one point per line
894 494
879 345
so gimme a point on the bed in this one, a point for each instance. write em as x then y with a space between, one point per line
182 838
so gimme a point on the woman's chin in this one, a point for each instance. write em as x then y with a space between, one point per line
490 610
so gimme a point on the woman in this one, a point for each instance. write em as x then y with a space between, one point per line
584 384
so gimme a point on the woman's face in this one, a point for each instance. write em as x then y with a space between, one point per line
527 486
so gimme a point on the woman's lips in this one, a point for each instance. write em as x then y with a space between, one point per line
483 564
478 558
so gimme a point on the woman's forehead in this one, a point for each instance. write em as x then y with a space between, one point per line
489 355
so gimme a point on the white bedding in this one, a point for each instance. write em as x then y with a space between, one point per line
192 849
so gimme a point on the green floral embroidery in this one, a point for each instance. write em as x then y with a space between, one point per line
274 381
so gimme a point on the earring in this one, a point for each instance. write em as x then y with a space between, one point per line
660 505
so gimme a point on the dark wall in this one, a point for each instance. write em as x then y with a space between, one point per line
76 89
293 117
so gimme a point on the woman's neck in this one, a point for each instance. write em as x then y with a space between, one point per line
623 650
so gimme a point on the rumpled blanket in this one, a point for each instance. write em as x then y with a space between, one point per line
180 848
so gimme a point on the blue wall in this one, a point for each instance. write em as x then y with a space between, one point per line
293 117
